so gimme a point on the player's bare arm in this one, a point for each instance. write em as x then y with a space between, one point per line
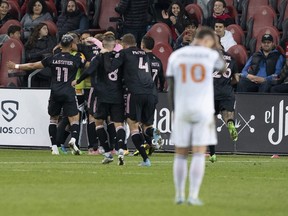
27 66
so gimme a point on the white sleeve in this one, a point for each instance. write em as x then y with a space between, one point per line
219 63
169 70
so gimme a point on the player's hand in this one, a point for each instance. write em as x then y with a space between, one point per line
73 83
103 50
259 79
10 65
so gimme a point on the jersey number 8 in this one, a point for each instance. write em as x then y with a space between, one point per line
197 73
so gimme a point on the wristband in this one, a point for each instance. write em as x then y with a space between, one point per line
17 66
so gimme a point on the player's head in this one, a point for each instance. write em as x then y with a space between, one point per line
14 31
205 37
76 37
109 42
147 43
128 40
66 41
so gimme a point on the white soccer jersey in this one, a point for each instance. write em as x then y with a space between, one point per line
192 68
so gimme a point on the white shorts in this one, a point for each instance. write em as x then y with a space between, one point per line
201 133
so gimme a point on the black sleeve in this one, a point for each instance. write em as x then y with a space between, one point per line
47 61
89 71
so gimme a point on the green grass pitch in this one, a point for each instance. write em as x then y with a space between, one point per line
37 183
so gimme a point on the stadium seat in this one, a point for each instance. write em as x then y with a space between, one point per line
160 32
238 33
4 28
163 51
248 9
12 50
51 27
283 11
239 53
262 17
231 10
82 7
255 42
107 11
52 9
195 12
14 10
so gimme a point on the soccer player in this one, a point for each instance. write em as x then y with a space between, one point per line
224 97
64 67
190 76
141 100
110 101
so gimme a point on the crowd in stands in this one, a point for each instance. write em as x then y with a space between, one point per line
264 70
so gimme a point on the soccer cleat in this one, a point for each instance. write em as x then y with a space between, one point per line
101 150
151 150
121 160
157 140
74 149
91 151
213 158
136 153
195 202
145 163
232 130
62 150
179 200
108 158
54 150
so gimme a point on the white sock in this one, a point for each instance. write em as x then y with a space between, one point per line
180 170
196 174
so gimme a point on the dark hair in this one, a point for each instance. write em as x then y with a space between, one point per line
220 21
31 4
148 42
12 29
5 2
66 40
129 39
205 31
34 36
223 2
191 22
182 10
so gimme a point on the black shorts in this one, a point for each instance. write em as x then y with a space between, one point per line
225 104
141 108
115 111
70 107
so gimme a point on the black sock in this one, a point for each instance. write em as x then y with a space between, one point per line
102 136
74 129
212 149
120 137
62 133
149 131
112 135
53 133
92 137
138 141
148 139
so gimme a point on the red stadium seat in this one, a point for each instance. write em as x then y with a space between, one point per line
231 10
4 28
195 12
107 11
12 50
160 32
238 33
82 7
51 27
248 9
239 53
14 10
163 51
52 9
264 16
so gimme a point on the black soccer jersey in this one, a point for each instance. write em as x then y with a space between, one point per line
156 71
222 82
107 84
89 51
136 70
64 67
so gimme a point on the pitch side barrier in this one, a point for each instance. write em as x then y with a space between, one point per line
261 120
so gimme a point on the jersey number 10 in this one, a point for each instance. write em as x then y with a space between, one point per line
197 72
